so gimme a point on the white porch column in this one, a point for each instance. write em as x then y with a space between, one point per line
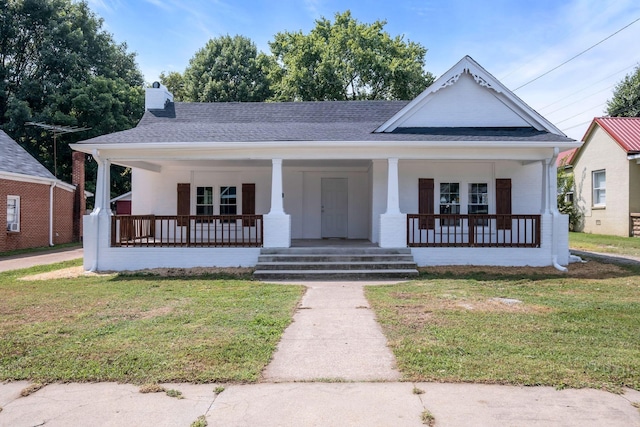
277 224
96 226
393 223
552 171
393 196
277 205
545 186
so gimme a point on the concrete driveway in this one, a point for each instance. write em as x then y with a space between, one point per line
16 262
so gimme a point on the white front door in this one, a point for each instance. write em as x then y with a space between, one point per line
335 200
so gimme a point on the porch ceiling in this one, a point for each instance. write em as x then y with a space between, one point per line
157 165
153 164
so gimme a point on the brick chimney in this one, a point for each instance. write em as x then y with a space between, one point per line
79 201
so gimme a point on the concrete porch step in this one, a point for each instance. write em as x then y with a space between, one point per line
335 251
335 274
320 258
335 263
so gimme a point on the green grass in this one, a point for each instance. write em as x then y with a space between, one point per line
139 329
606 244
576 330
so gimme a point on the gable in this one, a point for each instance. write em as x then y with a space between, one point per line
623 130
463 104
467 96
599 150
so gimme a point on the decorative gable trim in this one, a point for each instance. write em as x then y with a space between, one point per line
482 78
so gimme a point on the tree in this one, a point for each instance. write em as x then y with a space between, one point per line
626 97
566 190
57 66
226 69
347 60
174 81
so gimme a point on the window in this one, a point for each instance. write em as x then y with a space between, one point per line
599 188
568 197
479 202
228 201
13 213
204 201
449 202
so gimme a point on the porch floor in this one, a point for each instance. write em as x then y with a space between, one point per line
332 243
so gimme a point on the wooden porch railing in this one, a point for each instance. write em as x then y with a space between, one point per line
187 230
500 231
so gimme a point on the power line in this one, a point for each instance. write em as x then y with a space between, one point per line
581 99
590 85
582 112
574 57
579 124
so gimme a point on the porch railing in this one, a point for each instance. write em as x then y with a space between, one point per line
187 230
501 231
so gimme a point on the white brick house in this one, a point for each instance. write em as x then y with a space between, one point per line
463 174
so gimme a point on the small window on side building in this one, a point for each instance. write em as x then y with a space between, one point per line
13 213
599 188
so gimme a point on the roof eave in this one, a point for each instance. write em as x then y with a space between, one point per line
185 145
12 176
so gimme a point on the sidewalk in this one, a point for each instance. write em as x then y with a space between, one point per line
316 404
16 262
332 368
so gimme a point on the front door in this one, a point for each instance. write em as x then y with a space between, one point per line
335 200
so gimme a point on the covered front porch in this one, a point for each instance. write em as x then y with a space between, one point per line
374 202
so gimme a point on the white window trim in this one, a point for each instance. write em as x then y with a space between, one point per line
236 204
464 195
594 189
213 199
14 226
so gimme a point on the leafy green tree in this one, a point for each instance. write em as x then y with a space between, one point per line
227 69
174 81
566 203
347 60
58 66
626 97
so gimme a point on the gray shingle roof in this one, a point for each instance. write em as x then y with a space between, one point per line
295 121
15 159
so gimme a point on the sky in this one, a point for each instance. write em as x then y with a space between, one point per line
514 40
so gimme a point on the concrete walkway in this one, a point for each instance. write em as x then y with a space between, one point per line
16 262
334 336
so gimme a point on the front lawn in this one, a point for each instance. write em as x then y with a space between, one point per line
516 326
139 329
607 244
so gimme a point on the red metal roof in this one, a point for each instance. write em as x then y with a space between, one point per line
624 130
566 157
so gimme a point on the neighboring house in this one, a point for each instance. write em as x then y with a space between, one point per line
36 209
122 204
463 174
607 176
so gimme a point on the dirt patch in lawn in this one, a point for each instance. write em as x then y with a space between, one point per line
64 273
72 272
589 270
